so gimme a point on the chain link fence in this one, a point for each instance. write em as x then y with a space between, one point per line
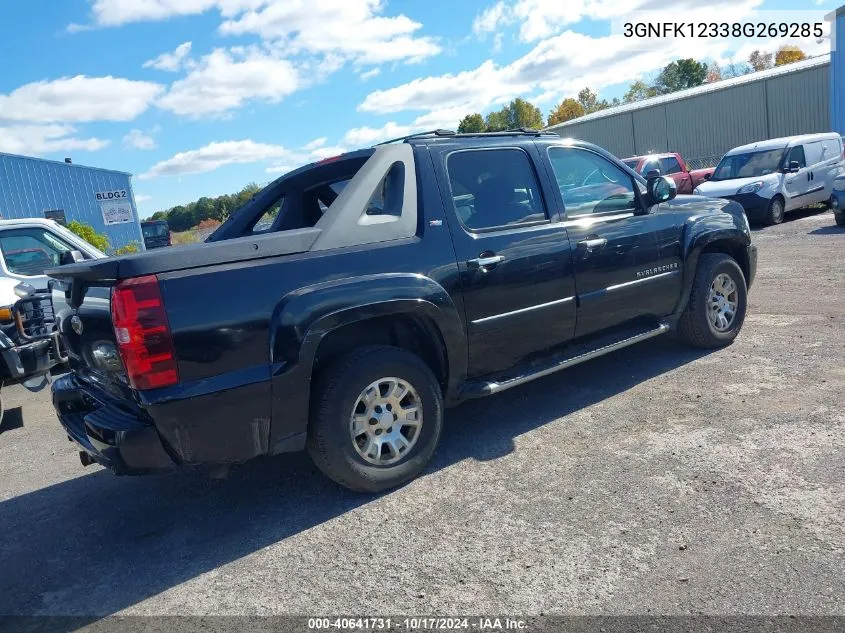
703 162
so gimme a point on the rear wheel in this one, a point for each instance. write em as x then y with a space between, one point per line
376 418
840 219
776 211
717 304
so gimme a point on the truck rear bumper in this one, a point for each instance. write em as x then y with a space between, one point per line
111 436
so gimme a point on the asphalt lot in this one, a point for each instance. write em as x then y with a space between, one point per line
655 480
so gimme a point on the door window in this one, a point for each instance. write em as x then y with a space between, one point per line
30 251
495 188
797 154
670 165
590 183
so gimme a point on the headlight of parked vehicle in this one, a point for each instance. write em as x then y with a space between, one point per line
839 184
751 187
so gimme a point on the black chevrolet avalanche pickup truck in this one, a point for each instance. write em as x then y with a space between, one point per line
350 300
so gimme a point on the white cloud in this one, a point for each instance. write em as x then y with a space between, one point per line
369 74
141 198
224 80
352 28
215 155
317 142
170 62
118 12
138 139
78 99
45 139
355 29
491 18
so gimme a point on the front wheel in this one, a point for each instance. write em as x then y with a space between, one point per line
776 211
840 219
376 418
717 304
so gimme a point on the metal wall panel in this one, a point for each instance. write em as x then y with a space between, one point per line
713 123
798 103
702 127
837 76
650 133
31 186
615 134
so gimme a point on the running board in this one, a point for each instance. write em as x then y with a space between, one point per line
479 389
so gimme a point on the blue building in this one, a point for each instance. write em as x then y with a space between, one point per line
837 71
103 198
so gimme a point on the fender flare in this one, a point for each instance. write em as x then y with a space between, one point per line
700 233
305 317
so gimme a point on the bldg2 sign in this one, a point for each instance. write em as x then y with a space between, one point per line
116 206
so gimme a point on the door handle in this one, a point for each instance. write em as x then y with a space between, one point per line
485 261
593 243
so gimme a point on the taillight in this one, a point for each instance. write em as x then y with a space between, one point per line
143 334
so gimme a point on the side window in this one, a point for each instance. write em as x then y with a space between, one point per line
797 154
670 165
388 196
494 188
831 149
589 183
265 222
31 251
813 153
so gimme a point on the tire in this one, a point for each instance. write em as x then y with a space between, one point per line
776 211
696 325
840 219
340 392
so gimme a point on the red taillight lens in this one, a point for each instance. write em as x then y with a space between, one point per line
143 334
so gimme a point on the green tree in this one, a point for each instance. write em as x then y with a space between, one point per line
681 74
760 60
497 121
638 91
566 110
472 123
90 235
522 113
789 54
588 100
131 247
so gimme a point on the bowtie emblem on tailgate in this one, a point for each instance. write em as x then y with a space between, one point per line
76 324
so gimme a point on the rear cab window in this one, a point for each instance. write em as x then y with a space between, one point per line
495 189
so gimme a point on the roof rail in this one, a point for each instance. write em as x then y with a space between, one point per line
438 132
519 131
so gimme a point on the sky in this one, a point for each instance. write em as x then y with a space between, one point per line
201 97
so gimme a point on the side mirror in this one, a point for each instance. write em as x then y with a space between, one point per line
652 173
708 176
794 166
71 257
660 189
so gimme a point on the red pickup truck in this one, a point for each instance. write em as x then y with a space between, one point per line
671 165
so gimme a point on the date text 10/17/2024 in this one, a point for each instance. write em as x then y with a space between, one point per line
418 624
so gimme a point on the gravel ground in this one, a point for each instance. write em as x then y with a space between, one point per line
656 480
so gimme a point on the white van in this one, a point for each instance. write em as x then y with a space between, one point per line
771 177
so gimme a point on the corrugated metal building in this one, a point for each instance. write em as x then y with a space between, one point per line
837 72
704 122
103 198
